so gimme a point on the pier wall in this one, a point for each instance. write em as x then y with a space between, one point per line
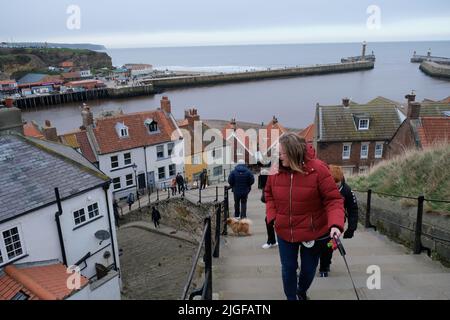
257 75
435 69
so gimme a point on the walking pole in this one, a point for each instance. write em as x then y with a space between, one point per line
343 253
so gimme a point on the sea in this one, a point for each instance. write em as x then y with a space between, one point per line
291 100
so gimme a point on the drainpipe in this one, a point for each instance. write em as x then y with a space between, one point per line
58 225
105 188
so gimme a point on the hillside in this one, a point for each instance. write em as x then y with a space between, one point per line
18 61
415 173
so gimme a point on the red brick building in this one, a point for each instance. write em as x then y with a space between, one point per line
355 136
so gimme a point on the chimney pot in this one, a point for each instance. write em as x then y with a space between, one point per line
345 102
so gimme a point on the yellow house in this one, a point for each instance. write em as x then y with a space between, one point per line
195 160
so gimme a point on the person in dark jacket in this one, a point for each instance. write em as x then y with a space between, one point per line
307 209
241 180
180 182
351 213
130 200
203 179
156 216
116 212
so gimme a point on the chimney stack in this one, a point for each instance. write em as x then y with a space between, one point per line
411 97
11 120
165 104
233 123
50 132
345 102
413 110
87 116
274 120
191 116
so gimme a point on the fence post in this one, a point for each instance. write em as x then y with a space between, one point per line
208 260
418 229
225 210
218 221
217 193
224 175
157 194
369 199
199 193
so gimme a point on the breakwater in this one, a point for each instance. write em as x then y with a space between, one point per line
421 58
435 69
260 75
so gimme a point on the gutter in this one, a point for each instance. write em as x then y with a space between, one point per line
58 226
105 189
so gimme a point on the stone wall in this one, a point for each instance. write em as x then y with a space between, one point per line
435 69
397 219
266 74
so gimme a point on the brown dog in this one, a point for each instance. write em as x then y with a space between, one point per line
240 226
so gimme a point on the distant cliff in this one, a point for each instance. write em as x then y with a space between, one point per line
14 62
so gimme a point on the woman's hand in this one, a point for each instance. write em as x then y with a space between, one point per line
335 231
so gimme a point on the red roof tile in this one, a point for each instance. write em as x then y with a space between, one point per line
85 146
31 130
39 283
433 130
308 133
138 136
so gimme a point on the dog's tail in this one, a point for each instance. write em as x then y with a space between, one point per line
246 220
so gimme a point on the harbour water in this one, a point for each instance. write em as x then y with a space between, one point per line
292 100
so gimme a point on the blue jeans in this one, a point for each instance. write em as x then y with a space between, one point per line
289 263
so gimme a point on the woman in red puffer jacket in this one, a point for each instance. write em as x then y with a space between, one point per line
307 209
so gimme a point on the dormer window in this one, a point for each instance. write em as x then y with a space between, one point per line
122 130
363 124
151 125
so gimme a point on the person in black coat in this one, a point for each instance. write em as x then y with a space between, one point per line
156 216
203 179
180 182
351 215
241 180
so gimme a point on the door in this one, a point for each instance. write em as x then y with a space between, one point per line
151 180
141 181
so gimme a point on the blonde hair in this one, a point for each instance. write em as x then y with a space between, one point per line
336 172
295 148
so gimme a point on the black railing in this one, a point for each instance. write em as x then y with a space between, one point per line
417 244
208 243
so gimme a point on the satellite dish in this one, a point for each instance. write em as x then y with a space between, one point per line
102 235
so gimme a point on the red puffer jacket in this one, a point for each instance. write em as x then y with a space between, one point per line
304 206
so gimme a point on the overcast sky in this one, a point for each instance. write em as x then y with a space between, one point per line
154 23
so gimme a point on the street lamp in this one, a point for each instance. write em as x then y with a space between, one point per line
134 166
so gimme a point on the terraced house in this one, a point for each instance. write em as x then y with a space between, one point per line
56 212
355 136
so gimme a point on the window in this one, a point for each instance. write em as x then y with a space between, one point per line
379 150
161 173
151 125
363 170
127 158
217 171
79 216
364 150
160 152
114 162
1 257
363 124
129 179
172 170
20 296
170 148
116 183
12 243
346 151
93 210
124 132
